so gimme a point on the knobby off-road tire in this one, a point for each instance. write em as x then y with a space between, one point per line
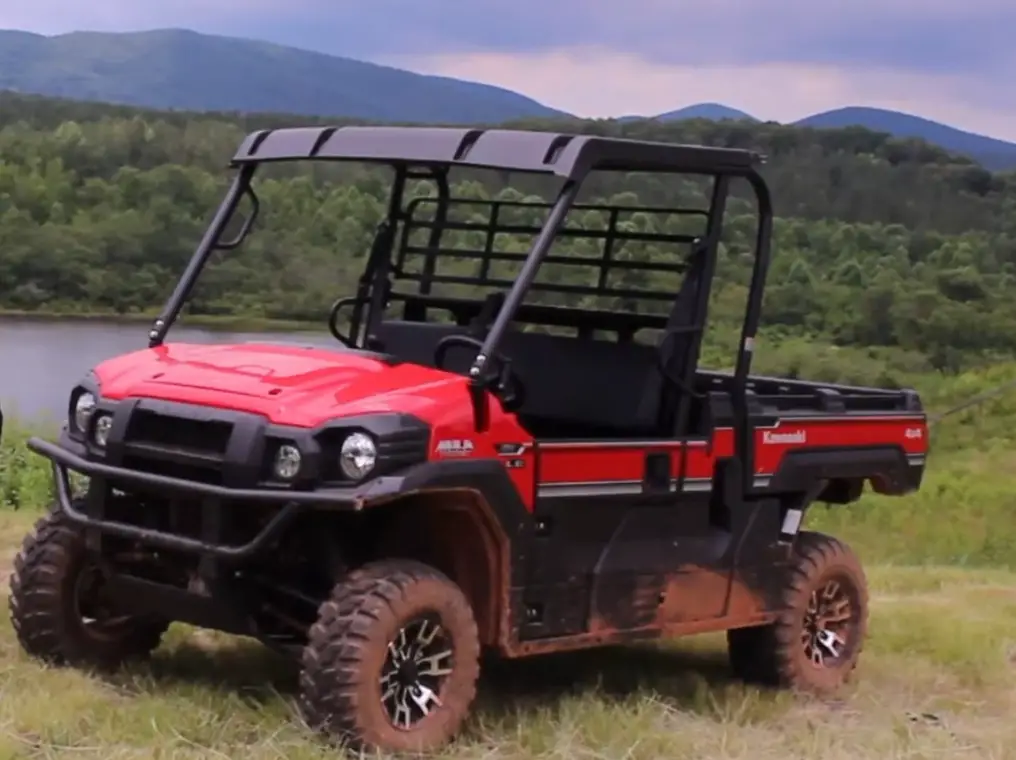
825 589
46 604
393 635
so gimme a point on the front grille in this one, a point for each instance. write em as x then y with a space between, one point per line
179 447
190 443
205 436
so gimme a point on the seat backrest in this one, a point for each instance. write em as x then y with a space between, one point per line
593 382
576 382
416 342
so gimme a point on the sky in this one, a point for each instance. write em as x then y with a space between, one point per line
949 60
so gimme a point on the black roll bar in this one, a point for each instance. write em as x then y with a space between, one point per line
566 197
711 242
744 439
744 448
372 290
210 243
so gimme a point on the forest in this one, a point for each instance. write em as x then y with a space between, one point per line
882 246
893 262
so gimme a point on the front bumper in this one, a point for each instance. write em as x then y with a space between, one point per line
211 497
136 464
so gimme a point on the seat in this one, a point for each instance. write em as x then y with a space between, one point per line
575 387
581 387
416 342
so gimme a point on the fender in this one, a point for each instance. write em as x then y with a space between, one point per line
487 479
888 466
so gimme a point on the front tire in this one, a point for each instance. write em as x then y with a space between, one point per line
393 660
815 642
56 604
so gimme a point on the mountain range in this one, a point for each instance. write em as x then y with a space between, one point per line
185 70
180 69
991 152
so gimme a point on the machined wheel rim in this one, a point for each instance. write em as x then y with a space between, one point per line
828 624
418 662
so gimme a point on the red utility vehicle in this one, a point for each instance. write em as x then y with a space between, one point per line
471 471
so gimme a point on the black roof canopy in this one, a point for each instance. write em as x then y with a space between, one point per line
570 156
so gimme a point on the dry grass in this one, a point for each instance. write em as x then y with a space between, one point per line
936 681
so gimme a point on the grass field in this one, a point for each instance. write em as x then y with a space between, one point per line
937 678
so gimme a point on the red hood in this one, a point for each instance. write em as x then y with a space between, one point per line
290 385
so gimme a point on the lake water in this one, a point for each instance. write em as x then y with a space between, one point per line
42 360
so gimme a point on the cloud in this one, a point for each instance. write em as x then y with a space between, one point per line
596 82
940 58
910 34
902 33
60 16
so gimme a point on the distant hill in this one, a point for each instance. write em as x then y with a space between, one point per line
988 151
714 111
992 153
181 69
711 111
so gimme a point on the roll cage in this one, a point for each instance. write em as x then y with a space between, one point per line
429 154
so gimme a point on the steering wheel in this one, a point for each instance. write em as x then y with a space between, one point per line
508 386
333 321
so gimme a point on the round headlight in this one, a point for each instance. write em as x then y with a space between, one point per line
103 424
83 409
287 462
357 456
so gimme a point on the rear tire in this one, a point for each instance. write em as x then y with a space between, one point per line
56 607
393 660
815 642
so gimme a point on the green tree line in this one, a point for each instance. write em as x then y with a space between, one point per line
880 244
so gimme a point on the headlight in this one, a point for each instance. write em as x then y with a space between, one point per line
287 462
103 424
357 456
83 409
